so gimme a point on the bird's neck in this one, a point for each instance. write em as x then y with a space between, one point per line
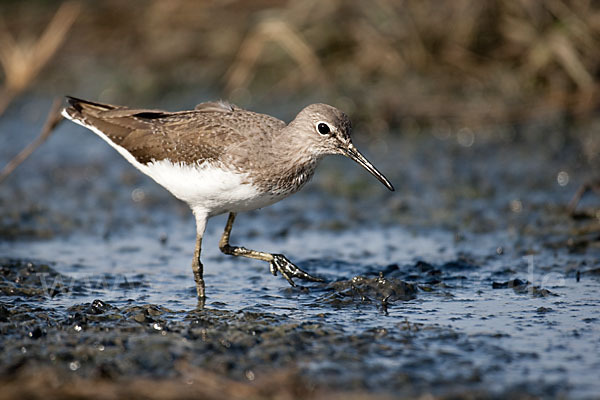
294 164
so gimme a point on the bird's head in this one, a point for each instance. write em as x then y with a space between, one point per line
326 130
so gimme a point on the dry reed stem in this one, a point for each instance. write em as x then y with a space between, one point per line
581 191
566 54
52 121
278 31
23 61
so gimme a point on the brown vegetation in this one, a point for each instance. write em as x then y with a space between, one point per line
465 62
22 60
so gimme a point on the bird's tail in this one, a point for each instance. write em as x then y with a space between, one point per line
78 109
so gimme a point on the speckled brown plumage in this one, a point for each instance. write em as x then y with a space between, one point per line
188 136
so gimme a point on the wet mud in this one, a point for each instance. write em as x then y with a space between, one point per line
471 281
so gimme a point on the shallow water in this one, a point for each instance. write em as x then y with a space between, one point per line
462 282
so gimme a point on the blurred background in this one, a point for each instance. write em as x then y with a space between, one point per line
484 114
405 66
458 101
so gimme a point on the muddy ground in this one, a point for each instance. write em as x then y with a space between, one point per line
471 280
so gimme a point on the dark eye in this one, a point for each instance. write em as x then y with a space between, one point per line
323 128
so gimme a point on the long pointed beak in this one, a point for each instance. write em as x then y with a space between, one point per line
353 153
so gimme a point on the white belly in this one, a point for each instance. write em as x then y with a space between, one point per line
208 187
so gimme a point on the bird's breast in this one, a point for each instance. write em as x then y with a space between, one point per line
286 180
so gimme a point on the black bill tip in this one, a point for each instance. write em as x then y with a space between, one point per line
353 153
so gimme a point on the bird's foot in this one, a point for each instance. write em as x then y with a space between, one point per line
289 270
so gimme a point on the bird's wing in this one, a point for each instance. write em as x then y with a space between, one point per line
188 137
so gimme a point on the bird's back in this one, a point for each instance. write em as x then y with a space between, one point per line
185 137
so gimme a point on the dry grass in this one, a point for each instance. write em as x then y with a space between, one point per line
389 63
52 121
280 32
464 62
22 60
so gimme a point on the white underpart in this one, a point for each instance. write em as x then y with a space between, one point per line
207 188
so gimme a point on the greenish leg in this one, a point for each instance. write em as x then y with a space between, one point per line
198 269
